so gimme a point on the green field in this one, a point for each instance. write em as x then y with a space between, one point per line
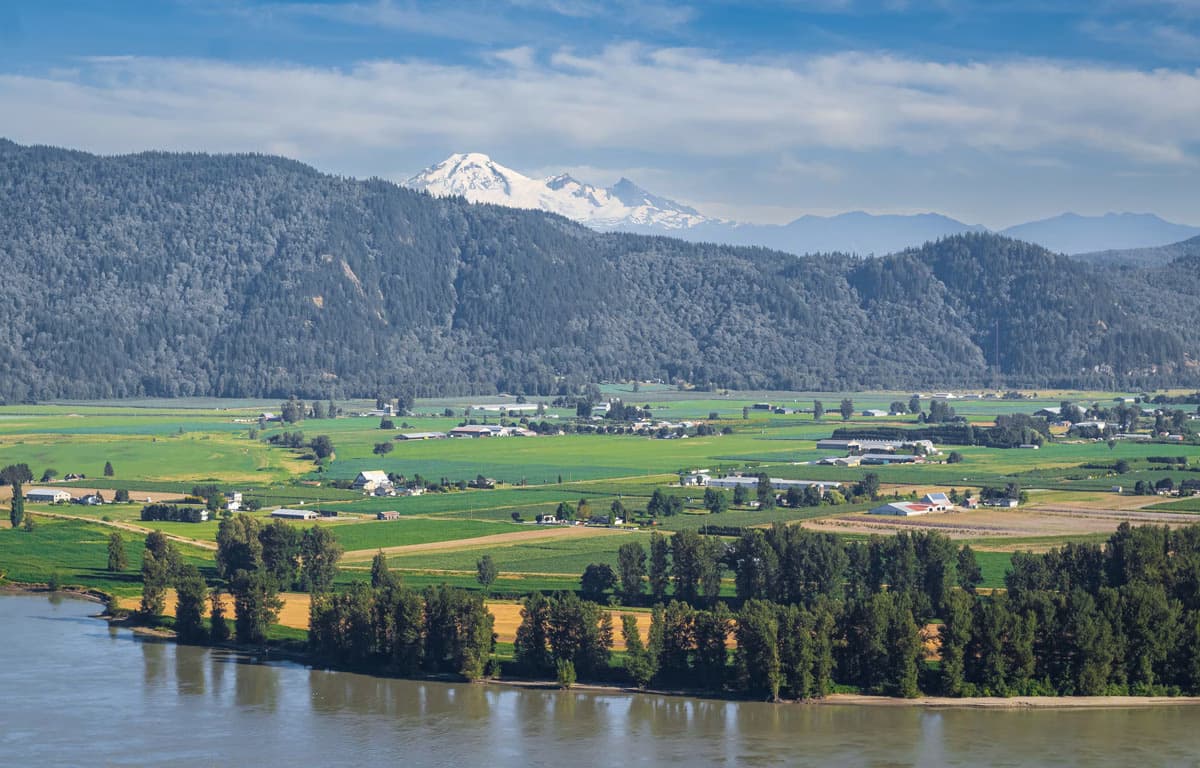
77 554
168 446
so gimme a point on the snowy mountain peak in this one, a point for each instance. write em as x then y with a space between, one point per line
480 179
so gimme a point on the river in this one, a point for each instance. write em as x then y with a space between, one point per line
75 692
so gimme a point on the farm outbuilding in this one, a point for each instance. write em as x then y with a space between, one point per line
295 514
903 509
47 495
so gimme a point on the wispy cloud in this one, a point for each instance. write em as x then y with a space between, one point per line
624 98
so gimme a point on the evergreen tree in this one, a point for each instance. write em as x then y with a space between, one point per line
319 555
659 566
486 572
639 662
756 660
531 650
280 550
218 626
155 577
118 560
192 594
631 571
256 606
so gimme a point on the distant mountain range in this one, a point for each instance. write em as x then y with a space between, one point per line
1072 233
253 276
629 208
1144 257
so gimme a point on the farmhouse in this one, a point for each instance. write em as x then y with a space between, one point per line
295 514
903 509
1004 503
47 495
370 480
695 478
233 501
391 514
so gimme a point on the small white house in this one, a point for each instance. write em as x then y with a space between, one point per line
47 495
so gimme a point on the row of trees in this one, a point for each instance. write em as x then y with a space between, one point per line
791 566
387 626
253 561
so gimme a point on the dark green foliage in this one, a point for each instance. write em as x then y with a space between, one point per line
156 575
238 545
711 660
715 501
192 595
118 560
631 570
218 631
756 662
170 513
486 572
16 475
659 576
531 649
281 552
640 663
687 564
579 631
458 632
597 579
319 555
256 605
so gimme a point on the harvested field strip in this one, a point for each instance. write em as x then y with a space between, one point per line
482 542
507 615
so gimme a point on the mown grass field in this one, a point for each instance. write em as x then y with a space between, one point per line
76 553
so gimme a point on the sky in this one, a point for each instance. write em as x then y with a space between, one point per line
991 111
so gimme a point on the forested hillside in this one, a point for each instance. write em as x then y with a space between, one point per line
167 274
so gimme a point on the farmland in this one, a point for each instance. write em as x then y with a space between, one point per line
162 449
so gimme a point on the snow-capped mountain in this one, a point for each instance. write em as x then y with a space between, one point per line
480 179
627 207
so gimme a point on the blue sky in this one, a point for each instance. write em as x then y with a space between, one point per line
992 112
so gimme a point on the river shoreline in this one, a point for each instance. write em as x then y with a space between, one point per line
835 699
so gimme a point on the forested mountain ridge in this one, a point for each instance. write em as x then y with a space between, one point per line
168 274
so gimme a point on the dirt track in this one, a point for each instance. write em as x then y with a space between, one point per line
479 542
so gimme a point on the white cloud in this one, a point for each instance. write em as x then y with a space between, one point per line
626 98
